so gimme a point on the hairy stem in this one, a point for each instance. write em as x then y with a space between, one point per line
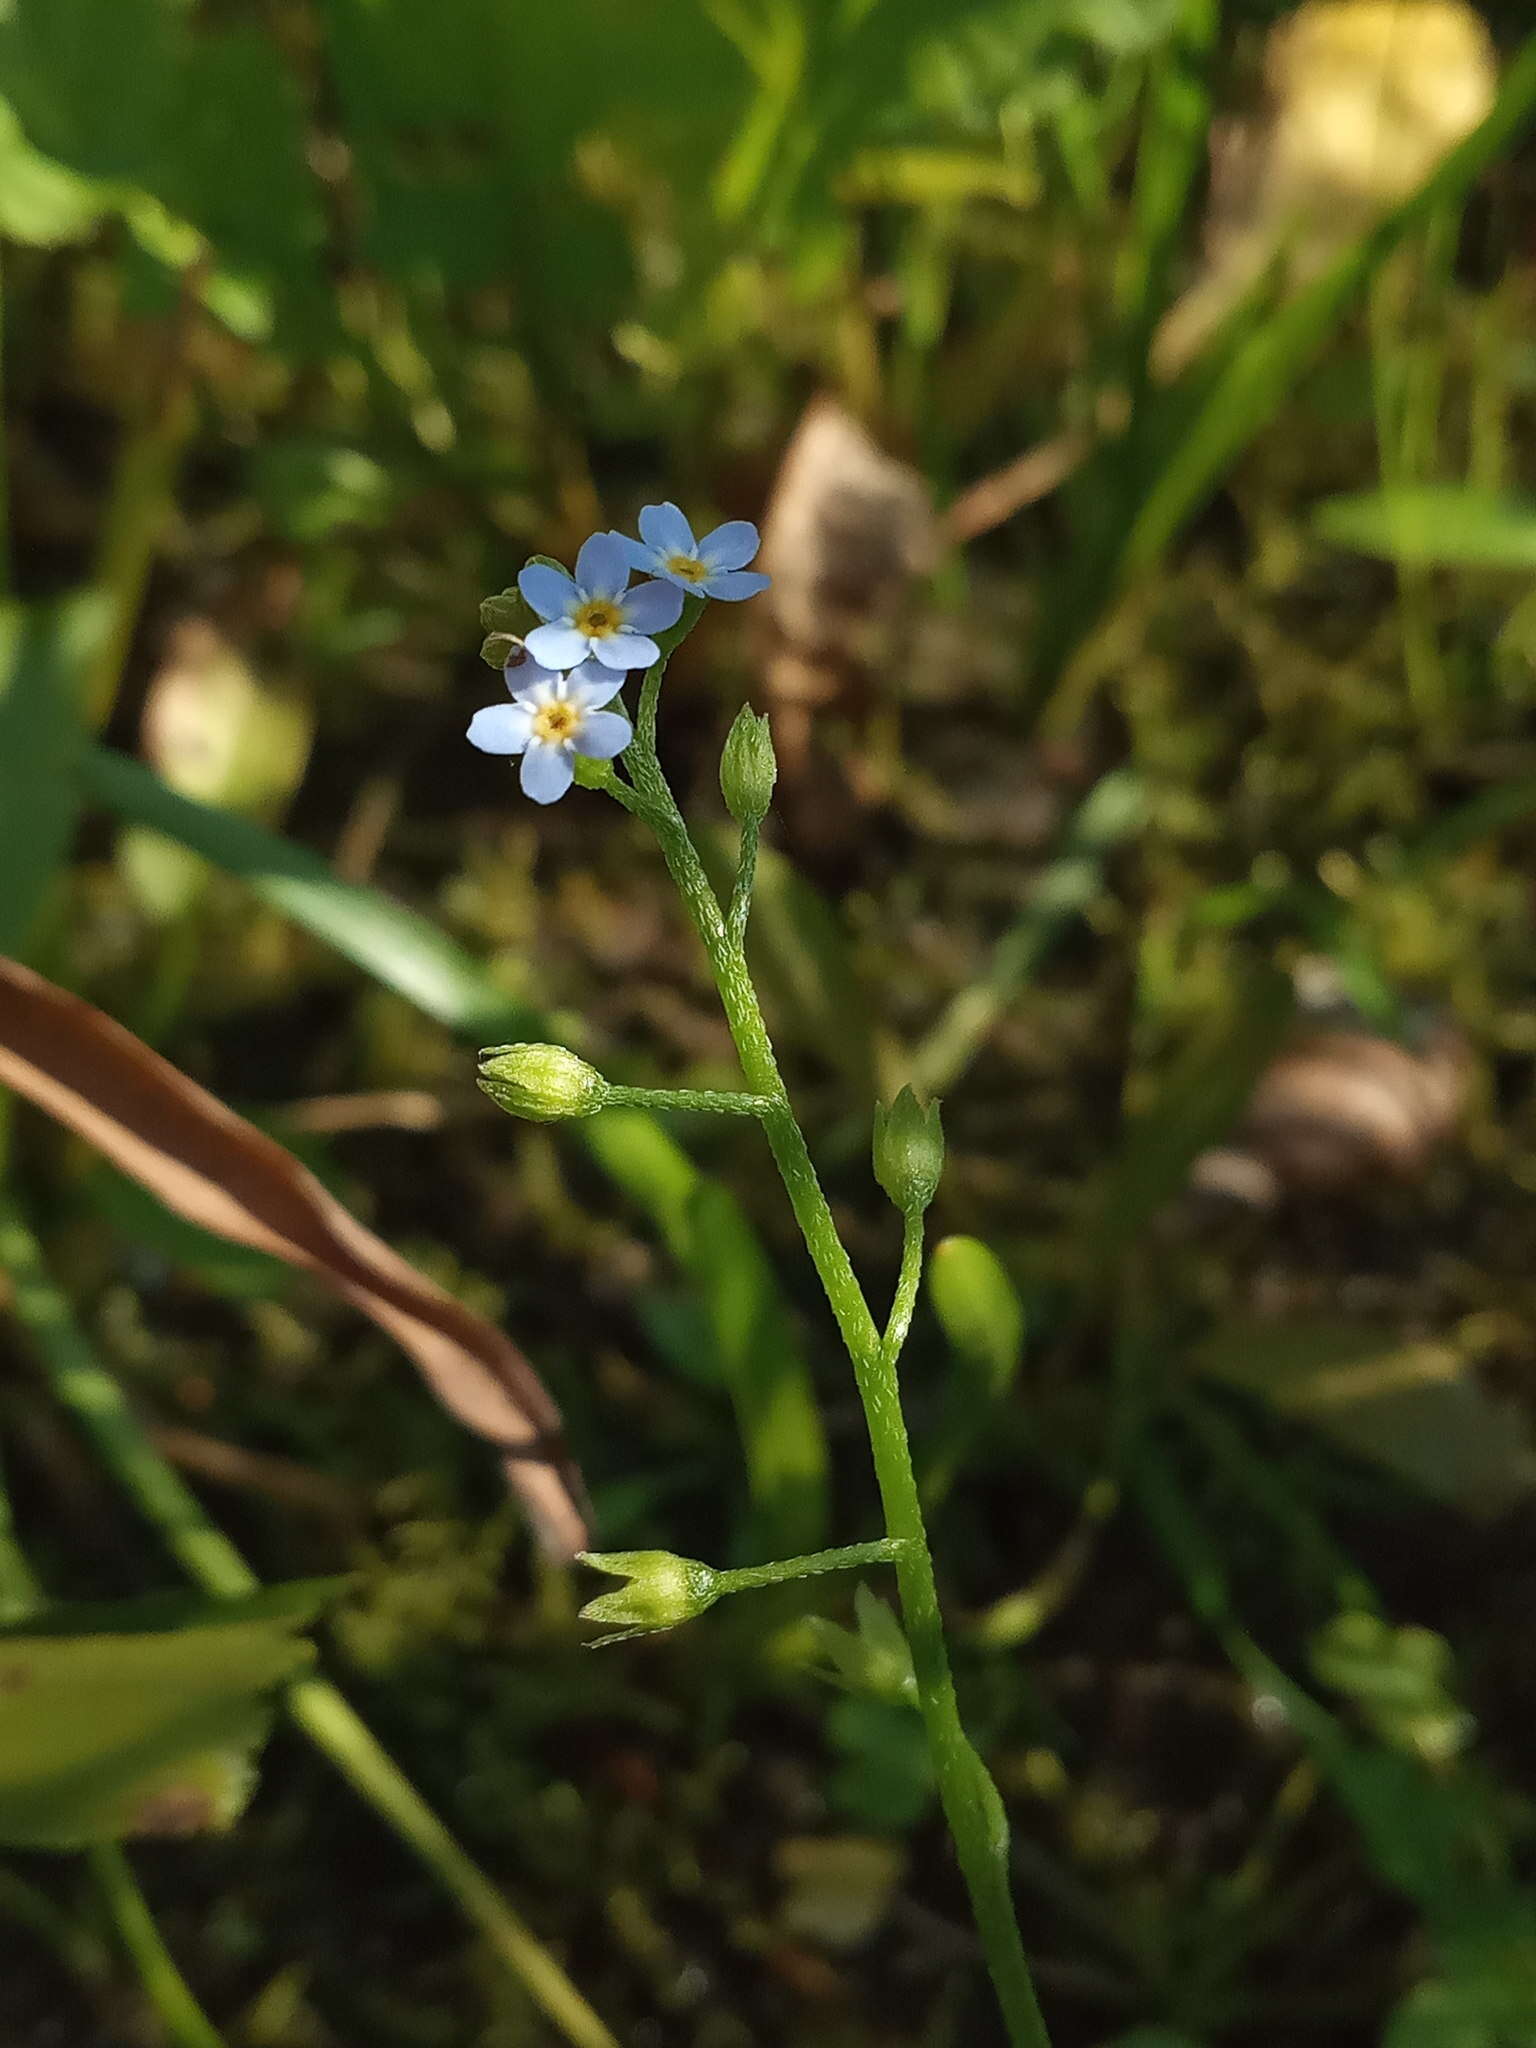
849 1557
714 1101
971 1805
746 877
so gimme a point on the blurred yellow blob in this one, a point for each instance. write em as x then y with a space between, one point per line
1363 98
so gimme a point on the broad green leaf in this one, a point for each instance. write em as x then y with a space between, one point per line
394 945
43 651
1430 526
93 80
1414 1407
142 1720
758 1359
235 163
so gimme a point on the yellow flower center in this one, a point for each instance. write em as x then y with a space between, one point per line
689 567
597 618
556 723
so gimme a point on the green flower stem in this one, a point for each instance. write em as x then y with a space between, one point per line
716 1101
746 877
186 2024
884 1550
93 1396
970 1802
908 1281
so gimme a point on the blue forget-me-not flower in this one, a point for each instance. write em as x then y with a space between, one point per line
711 567
591 615
552 718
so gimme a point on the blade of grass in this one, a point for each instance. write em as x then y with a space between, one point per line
186 2024
406 953
1175 125
90 1393
394 945
760 1360
1106 817
42 648
1258 376
1178 446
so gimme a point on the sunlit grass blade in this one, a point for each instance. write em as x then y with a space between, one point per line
1149 480
1104 820
759 1359
1433 526
1171 150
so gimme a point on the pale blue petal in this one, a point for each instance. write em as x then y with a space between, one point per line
652 607
626 650
642 559
557 646
547 772
521 676
735 584
664 528
730 546
550 591
604 734
601 568
591 687
501 729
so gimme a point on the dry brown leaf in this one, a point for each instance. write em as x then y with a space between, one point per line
847 530
1338 1110
219 1172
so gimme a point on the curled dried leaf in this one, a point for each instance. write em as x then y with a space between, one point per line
848 528
1339 1110
218 1171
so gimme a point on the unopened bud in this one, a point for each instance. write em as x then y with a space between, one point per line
663 1590
541 1082
748 768
909 1151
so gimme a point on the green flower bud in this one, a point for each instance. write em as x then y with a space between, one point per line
909 1152
541 1082
748 768
663 1590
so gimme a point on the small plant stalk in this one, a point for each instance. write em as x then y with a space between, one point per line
971 1805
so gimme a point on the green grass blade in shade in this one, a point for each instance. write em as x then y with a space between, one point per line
42 647
759 1358
1171 152
90 1393
399 948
